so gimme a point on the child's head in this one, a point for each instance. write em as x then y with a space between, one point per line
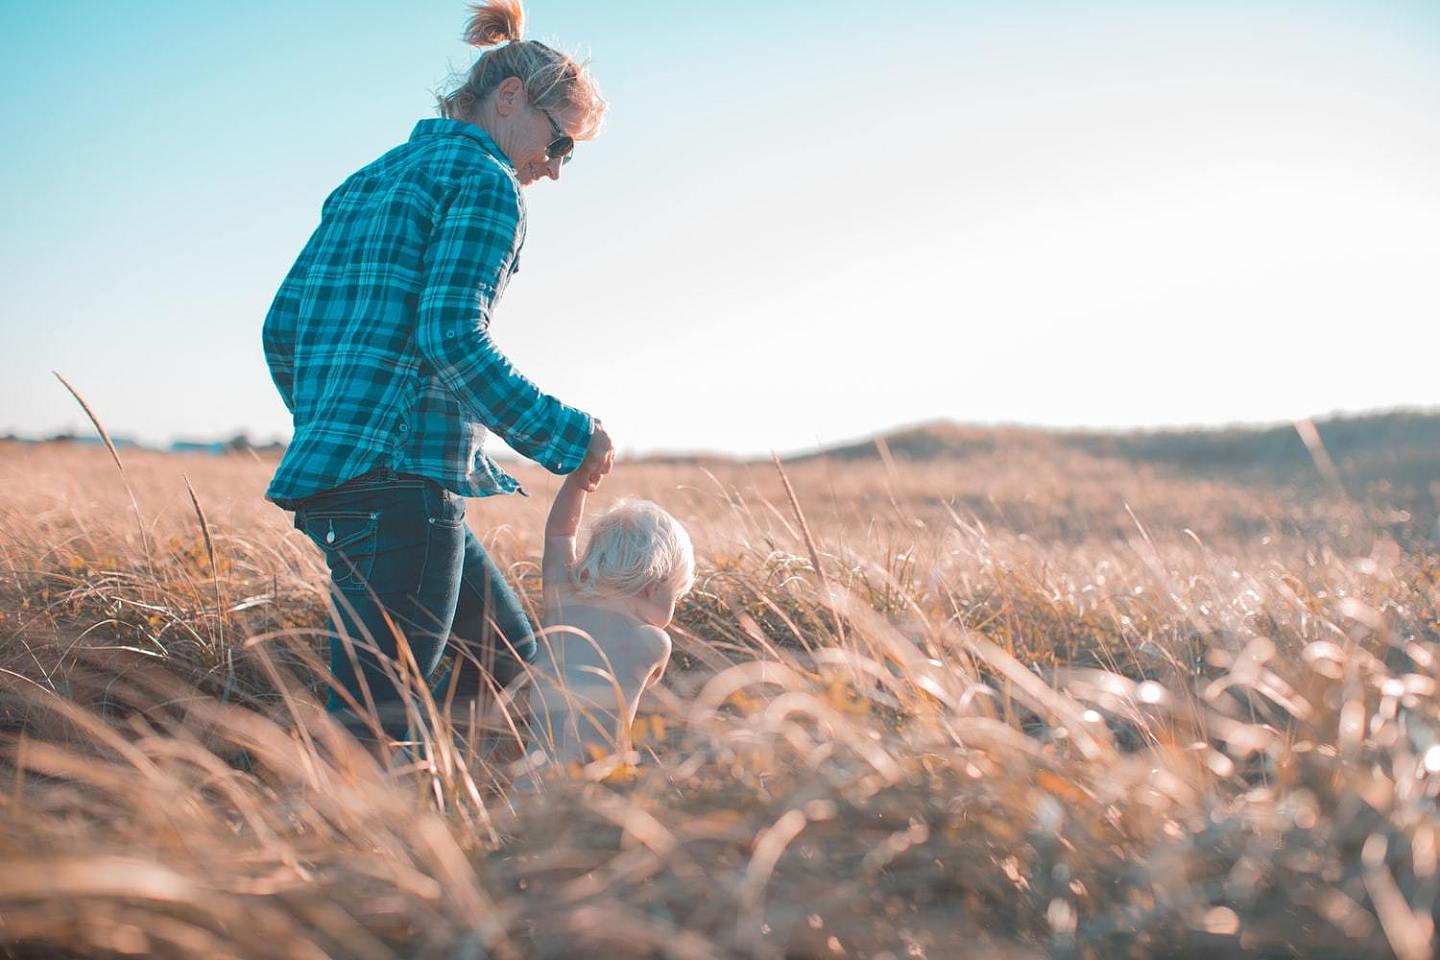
638 551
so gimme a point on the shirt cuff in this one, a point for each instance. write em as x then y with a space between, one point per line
567 451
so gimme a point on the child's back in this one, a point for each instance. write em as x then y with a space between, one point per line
593 664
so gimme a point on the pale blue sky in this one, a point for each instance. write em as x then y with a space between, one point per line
804 222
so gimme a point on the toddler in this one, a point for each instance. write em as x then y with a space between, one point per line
604 638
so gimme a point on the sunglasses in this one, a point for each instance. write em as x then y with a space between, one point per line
562 147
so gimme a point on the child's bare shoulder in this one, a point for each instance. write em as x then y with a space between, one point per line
643 639
655 639
650 648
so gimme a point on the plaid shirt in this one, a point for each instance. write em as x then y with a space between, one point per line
378 339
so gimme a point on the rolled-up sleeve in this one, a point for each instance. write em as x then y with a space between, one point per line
475 239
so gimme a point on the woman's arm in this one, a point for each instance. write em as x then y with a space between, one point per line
475 238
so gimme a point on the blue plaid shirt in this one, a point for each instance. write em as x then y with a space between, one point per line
379 337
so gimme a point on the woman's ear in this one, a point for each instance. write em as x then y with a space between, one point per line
509 96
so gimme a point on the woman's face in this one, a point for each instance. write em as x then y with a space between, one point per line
557 134
525 131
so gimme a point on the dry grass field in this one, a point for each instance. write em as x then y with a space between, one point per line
1029 703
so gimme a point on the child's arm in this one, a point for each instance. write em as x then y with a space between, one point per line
565 516
560 529
660 655
648 668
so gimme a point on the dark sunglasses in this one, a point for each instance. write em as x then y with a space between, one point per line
562 147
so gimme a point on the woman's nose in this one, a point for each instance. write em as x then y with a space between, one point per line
552 168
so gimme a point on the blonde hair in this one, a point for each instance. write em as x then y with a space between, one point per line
551 78
632 545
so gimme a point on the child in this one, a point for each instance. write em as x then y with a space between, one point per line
604 640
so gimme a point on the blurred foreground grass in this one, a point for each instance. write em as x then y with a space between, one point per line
1036 706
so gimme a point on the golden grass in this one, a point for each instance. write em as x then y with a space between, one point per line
1027 706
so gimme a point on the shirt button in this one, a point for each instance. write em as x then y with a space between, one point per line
404 428
449 334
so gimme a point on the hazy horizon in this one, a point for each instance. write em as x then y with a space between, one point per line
87 433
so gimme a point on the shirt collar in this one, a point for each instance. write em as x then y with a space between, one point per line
441 127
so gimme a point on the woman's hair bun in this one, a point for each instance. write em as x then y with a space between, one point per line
494 22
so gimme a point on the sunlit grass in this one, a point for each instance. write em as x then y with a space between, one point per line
1025 706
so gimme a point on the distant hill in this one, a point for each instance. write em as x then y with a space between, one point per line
1399 446
1404 440
1391 457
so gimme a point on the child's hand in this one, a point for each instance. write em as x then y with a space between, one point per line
599 458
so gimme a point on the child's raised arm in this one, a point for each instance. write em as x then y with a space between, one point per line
560 530
566 513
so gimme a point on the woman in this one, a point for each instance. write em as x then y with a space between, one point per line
378 341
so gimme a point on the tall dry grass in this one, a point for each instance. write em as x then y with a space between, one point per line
1025 706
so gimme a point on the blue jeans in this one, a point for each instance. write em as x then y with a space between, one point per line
398 548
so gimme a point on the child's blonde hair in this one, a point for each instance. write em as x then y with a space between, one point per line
632 545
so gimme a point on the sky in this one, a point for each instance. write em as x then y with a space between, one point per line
803 223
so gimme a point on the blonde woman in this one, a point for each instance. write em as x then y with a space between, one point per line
379 342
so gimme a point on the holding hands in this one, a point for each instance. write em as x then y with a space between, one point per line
599 458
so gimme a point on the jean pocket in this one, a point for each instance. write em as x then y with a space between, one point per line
348 538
